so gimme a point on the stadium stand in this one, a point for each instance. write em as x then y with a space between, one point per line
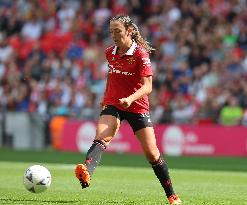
52 57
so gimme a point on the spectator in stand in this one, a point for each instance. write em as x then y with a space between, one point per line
6 50
66 15
183 109
32 28
231 114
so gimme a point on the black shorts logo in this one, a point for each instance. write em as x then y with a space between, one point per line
147 116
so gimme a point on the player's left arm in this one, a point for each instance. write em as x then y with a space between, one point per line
144 90
145 71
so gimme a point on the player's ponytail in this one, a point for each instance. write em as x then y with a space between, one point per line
136 36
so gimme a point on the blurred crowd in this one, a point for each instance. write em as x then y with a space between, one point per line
52 57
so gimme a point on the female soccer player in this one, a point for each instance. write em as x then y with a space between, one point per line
126 98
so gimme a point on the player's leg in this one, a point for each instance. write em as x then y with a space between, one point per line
107 127
147 139
143 129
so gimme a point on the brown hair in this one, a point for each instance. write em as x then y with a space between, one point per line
136 36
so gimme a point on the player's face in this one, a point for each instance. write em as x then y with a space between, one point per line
120 35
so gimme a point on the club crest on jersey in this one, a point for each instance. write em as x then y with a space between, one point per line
131 60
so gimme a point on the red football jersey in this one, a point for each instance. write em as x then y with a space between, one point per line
124 77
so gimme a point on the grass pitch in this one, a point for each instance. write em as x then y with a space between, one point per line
124 180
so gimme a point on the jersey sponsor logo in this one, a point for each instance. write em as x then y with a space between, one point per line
146 61
114 70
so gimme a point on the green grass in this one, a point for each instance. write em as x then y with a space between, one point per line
198 163
131 184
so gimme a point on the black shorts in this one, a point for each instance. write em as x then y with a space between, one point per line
137 121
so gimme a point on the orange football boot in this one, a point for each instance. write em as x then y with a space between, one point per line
174 199
83 175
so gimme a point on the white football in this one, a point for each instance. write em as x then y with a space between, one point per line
37 179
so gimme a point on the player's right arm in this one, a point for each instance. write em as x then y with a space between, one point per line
106 87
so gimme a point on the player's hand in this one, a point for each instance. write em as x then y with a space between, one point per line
103 106
125 102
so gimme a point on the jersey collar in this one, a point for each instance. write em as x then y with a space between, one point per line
129 52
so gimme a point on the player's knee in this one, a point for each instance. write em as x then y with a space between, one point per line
105 135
